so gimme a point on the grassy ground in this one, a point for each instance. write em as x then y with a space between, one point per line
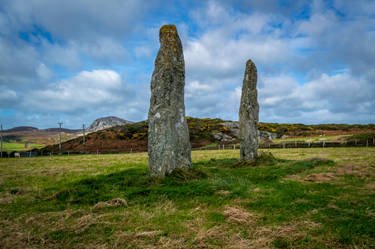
108 201
311 139
20 146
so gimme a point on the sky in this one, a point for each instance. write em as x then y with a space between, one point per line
74 61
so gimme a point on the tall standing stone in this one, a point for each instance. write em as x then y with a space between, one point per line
249 114
168 134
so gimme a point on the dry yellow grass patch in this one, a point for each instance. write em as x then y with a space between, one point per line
238 215
116 202
223 192
84 222
263 237
146 239
6 198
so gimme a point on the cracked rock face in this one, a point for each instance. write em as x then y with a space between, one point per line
249 114
168 134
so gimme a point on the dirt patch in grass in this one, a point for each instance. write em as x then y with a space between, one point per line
320 177
354 170
341 170
239 216
370 186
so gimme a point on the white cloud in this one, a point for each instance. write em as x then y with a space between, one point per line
84 91
44 72
337 97
7 95
299 50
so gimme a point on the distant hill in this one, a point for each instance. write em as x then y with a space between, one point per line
62 130
22 128
132 137
206 132
107 122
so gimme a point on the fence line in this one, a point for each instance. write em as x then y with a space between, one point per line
283 145
300 144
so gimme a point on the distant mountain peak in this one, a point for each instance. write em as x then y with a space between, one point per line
107 122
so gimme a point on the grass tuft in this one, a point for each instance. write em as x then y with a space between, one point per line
263 159
188 174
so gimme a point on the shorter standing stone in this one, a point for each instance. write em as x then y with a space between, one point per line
249 114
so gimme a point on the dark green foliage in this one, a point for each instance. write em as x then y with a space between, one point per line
127 131
301 129
203 128
280 243
362 136
14 191
11 138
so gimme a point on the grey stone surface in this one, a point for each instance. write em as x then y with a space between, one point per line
266 135
168 134
107 122
234 128
249 114
222 137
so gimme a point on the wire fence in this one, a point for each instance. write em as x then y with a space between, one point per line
281 145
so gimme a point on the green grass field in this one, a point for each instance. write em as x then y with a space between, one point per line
108 201
20 146
311 139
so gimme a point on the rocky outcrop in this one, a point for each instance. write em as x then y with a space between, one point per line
168 134
107 122
219 136
266 135
249 114
234 128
